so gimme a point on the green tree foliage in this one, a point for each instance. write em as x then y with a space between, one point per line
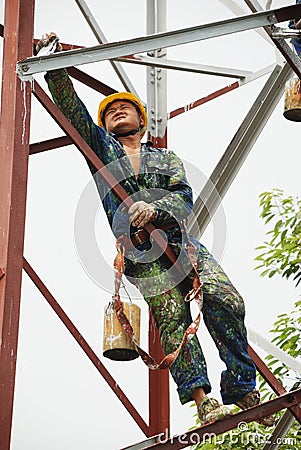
282 252
287 332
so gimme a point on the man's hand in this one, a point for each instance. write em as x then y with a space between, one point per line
141 213
45 40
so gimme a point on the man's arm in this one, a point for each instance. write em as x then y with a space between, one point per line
67 100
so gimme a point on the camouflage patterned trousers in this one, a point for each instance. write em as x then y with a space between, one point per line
223 314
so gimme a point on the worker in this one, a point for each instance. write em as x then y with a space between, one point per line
156 181
296 25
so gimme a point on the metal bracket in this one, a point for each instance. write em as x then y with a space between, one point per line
285 33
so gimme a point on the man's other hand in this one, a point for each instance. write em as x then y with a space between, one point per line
141 213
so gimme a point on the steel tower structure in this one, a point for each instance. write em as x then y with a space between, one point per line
15 149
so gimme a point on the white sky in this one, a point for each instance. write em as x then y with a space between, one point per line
61 401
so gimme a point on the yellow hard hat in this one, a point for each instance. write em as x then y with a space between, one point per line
128 96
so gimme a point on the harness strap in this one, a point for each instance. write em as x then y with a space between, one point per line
194 294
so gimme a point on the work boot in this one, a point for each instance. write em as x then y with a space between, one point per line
253 399
210 410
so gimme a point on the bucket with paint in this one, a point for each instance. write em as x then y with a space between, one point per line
116 343
292 100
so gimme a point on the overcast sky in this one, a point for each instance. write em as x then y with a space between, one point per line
61 401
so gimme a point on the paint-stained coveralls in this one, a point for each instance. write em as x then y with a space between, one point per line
162 182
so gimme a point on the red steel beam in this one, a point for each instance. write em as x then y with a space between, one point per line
14 150
203 100
85 347
159 401
50 144
90 81
212 430
272 381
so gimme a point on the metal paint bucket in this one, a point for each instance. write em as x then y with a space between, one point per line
292 100
116 343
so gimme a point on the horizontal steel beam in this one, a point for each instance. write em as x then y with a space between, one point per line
29 66
50 144
185 66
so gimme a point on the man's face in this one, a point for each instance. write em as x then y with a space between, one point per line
122 116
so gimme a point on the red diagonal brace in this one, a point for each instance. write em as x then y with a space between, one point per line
272 381
85 346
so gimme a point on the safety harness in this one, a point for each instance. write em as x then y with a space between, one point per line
195 293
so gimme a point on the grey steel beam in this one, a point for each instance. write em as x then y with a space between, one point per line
227 168
29 66
281 430
102 40
265 344
239 11
186 67
156 77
